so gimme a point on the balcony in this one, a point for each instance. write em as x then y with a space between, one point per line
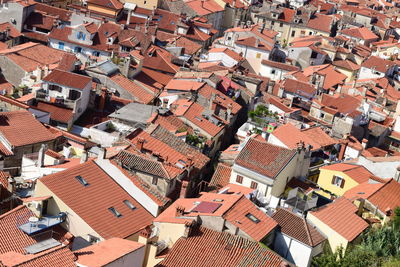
68 103
35 224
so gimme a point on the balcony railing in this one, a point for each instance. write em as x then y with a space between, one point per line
35 224
58 100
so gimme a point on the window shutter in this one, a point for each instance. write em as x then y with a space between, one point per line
342 184
78 35
83 36
333 179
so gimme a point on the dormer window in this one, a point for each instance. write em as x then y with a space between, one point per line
252 218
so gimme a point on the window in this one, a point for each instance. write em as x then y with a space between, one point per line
293 33
302 33
82 180
273 71
253 185
78 49
258 55
338 181
129 204
115 212
272 23
310 33
96 53
239 179
281 24
80 36
61 45
53 87
322 115
93 239
229 38
252 218
155 181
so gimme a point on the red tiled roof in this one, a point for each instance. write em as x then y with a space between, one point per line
56 113
228 52
341 217
184 85
321 22
13 32
59 256
387 196
21 128
63 14
279 65
68 79
208 248
30 56
220 177
221 99
138 92
253 42
346 64
297 228
237 215
345 104
360 33
264 158
378 63
202 8
111 4
159 59
362 191
11 237
92 202
298 87
106 252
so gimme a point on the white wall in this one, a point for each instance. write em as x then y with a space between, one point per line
366 73
292 250
266 71
224 58
69 47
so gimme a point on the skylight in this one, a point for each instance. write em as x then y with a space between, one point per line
82 180
115 212
129 204
252 218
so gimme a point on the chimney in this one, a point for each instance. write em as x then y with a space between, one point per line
257 42
364 143
212 98
42 152
11 185
236 23
84 157
165 103
184 189
180 211
229 112
139 144
103 96
102 154
343 147
128 20
300 146
158 156
319 9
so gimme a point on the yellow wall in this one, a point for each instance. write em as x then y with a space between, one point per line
74 224
170 232
325 181
350 74
335 240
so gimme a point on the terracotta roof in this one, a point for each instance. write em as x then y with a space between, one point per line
68 79
194 115
279 65
190 47
30 56
341 217
63 14
111 4
13 102
238 216
21 128
141 163
12 31
153 78
386 197
321 23
345 104
92 202
290 136
184 85
140 93
59 256
221 99
106 252
203 8
264 158
362 191
358 173
298 87
224 250
220 177
254 42
297 228
56 113
159 59
232 54
378 63
11 237
346 64
360 33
